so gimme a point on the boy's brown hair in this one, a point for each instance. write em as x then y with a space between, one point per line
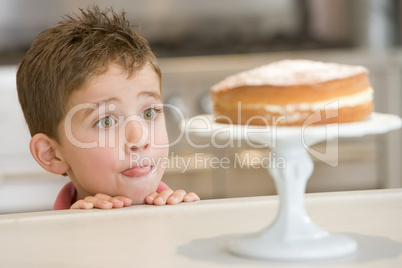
63 58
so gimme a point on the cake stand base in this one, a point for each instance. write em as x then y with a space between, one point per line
328 246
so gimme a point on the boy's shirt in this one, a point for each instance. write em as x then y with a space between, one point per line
68 195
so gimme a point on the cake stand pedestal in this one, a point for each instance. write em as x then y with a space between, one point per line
293 235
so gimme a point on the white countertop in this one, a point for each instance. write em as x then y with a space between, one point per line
197 234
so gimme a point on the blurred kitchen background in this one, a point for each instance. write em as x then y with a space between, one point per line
198 44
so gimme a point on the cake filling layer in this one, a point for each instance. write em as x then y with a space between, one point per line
346 101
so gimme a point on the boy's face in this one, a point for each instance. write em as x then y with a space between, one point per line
114 136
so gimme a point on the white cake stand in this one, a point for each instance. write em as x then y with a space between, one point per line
293 235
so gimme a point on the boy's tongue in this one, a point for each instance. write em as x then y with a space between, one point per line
137 171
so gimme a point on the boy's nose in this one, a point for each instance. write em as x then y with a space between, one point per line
137 136
136 148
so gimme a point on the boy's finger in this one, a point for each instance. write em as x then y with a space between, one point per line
118 201
149 199
176 197
99 202
82 204
190 197
126 201
160 200
103 196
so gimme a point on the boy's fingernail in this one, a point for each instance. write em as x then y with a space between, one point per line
107 203
117 202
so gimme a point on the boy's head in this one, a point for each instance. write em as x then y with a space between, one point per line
63 58
90 92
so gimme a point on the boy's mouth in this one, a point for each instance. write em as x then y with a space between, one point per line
137 171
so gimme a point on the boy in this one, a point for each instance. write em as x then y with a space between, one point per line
90 92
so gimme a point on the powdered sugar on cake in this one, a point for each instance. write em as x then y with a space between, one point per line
290 72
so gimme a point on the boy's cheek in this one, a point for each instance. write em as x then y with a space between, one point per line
82 139
161 138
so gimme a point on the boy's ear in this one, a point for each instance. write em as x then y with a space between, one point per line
44 150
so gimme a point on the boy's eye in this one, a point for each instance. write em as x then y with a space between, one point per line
106 122
149 114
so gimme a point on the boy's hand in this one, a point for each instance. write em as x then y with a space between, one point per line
170 197
102 201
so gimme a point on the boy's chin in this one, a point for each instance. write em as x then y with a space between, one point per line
139 197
